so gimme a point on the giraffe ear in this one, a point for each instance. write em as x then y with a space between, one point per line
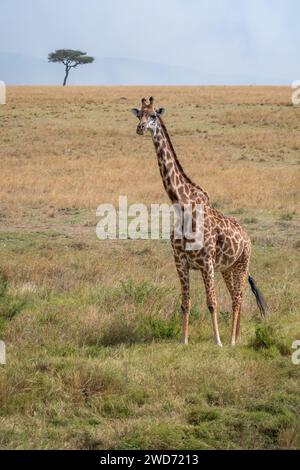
135 112
160 111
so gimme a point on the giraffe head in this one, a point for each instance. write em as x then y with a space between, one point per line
147 116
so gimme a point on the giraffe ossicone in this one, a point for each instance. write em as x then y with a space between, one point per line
226 247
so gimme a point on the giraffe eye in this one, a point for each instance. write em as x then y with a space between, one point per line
153 116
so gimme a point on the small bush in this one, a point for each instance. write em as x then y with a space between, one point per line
287 216
118 331
10 306
158 435
264 337
199 415
3 285
158 328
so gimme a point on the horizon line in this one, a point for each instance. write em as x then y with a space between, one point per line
154 85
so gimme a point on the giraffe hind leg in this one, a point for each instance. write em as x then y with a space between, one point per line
239 276
228 278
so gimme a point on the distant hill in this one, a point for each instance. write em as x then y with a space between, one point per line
17 69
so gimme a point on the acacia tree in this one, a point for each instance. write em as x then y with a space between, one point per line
70 58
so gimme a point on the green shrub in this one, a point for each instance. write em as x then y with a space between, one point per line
10 306
3 285
287 216
157 328
264 337
199 415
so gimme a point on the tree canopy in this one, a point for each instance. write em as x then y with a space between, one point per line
70 58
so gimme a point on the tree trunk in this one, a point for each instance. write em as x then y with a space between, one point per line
66 76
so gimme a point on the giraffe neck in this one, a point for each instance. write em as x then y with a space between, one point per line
176 183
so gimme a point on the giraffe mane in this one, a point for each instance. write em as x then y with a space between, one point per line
177 160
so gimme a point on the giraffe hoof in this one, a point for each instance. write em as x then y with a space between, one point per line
219 344
185 341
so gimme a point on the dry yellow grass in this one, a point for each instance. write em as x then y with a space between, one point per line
77 146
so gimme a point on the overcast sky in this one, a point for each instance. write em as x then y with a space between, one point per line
257 38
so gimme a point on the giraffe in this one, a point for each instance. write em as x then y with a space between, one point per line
226 246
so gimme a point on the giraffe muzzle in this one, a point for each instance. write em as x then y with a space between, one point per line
141 129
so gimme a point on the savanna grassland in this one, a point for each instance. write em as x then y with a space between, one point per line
92 327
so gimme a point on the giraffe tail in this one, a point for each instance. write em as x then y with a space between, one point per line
261 303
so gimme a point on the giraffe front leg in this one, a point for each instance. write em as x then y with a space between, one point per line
185 304
184 276
208 278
